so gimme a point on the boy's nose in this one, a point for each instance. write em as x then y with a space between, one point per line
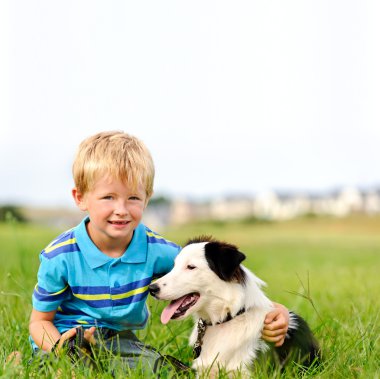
121 209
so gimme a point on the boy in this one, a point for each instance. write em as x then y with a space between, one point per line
96 275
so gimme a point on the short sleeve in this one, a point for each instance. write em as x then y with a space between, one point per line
52 288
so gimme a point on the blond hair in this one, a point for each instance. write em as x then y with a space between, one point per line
116 154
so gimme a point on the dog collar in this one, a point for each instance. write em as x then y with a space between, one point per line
202 327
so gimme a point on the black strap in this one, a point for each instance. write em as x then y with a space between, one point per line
226 319
76 347
202 326
177 365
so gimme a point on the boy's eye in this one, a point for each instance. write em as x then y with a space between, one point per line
109 197
134 198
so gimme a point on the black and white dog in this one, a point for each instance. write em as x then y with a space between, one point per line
229 309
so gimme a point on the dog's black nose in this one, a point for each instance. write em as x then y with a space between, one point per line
154 289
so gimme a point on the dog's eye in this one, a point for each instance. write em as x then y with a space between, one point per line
190 267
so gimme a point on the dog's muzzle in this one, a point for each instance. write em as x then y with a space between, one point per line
154 289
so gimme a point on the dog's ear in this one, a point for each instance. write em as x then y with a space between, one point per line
224 259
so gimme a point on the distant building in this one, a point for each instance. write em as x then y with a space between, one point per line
273 206
267 205
232 208
371 202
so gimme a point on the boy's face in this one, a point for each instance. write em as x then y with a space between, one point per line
115 210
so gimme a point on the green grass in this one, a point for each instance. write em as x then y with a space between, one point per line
326 269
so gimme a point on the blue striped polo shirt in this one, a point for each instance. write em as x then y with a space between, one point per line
89 288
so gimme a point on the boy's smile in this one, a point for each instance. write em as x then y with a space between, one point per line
115 210
121 223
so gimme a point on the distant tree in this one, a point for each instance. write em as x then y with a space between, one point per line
9 212
159 200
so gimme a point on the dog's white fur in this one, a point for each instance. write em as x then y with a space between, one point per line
232 345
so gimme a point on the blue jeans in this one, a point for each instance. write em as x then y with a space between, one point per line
117 351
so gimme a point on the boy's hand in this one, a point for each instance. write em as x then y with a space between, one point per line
276 325
65 336
88 335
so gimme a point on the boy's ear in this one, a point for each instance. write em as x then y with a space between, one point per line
79 199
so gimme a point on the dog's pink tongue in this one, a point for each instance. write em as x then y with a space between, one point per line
170 309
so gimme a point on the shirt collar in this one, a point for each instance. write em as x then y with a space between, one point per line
135 253
138 248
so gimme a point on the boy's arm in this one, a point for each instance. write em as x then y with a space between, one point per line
42 329
45 334
276 325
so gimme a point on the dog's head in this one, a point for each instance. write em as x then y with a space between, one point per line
202 272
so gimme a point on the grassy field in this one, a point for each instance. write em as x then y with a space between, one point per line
326 269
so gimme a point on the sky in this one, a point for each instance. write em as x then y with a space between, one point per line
231 97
